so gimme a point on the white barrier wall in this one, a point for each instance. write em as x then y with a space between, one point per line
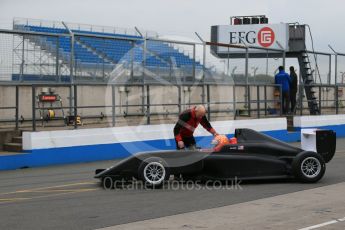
319 121
331 122
97 136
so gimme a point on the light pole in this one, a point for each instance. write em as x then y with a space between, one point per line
342 77
223 61
276 72
233 71
228 59
340 92
255 69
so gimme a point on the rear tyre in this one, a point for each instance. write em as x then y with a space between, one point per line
154 172
308 167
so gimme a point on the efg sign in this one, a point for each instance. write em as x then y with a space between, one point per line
255 35
266 37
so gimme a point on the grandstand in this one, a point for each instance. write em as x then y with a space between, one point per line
94 50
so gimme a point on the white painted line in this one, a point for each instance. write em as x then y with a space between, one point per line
323 224
341 220
320 225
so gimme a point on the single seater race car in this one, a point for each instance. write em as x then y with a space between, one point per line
254 156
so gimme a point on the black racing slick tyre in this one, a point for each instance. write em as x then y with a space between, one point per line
153 171
308 167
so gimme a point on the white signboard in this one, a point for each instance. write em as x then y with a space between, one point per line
258 35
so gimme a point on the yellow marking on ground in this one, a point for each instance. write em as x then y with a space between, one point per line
41 188
17 199
13 199
57 190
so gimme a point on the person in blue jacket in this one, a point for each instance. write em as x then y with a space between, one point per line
283 79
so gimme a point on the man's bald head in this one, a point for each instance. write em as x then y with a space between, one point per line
200 111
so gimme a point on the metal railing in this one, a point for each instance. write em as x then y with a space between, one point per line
260 101
147 107
330 99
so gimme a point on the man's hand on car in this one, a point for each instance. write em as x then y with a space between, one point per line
180 144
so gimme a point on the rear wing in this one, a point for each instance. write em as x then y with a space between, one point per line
323 142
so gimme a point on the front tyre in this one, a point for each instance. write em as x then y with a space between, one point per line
153 172
308 167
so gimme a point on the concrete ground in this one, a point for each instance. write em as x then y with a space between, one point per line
67 197
323 205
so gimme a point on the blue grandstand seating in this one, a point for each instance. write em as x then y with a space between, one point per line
159 54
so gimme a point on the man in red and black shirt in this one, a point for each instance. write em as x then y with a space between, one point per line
187 123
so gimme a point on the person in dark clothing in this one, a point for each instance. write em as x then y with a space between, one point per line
283 79
293 88
187 123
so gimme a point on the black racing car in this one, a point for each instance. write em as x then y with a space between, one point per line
255 156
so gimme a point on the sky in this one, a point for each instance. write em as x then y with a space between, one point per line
184 17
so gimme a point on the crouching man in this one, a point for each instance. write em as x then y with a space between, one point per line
188 121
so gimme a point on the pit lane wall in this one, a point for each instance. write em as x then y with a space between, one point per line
87 145
332 122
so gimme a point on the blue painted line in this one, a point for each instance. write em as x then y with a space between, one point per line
339 129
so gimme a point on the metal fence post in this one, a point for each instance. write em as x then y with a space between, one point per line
208 102
203 61
170 71
265 95
72 60
17 107
281 99
71 75
194 62
247 80
33 91
23 61
113 104
249 101
144 58
234 101
143 99
103 66
179 99
266 62
203 73
329 69
336 69
336 100
258 100
132 60
148 112
247 65
75 105
301 99
320 101
57 59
